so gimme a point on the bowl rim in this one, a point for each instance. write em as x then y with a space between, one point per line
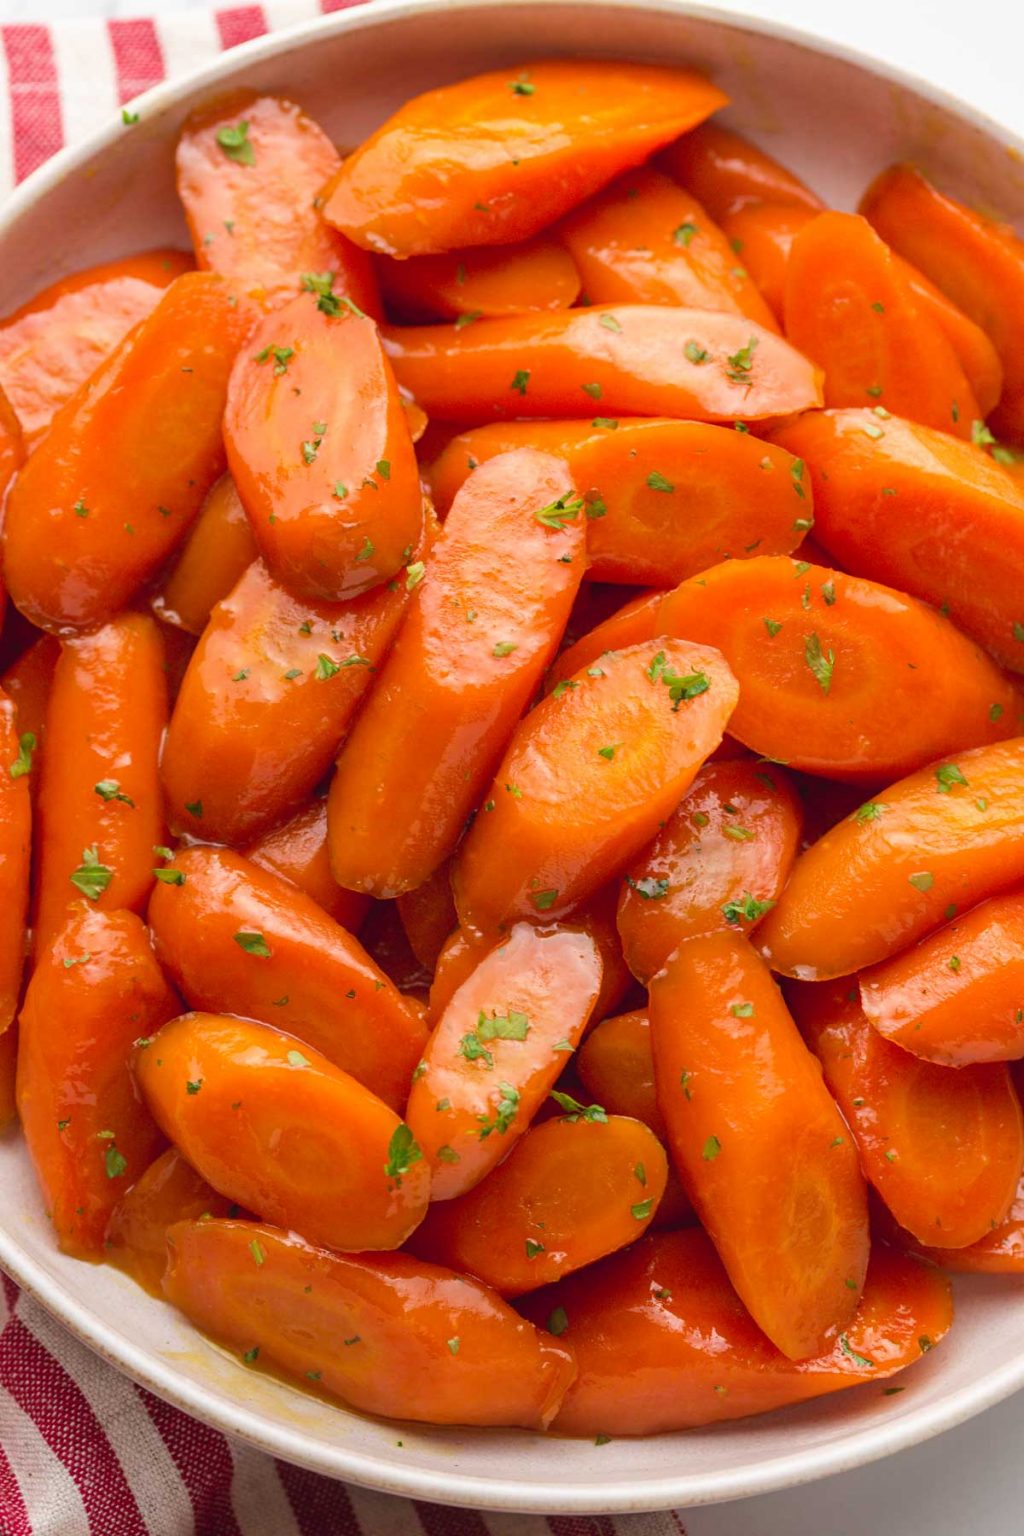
864 1443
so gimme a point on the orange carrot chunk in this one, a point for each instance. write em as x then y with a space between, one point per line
485 280
428 915
217 553
999 1252
297 849
16 754
726 172
168 1191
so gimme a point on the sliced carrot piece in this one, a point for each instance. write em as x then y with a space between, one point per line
758 1142
100 808
481 627
663 499
12 456
572 1190
50 346
391 1336
999 1252
168 1191
498 1049
955 997
485 280
616 1066
28 683
978 357
217 553
457 959
298 850
923 512
761 236
943 1149
237 938
103 502
635 623
720 860
664 1343
635 359
250 169
839 675
428 916
587 779
979 264
849 307
726 171
319 448
16 748
643 240
494 159
95 989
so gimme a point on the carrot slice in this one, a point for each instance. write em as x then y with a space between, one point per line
284 1131
635 359
96 987
849 307
463 285
663 499
217 553
839 675
16 748
100 808
50 346
923 512
494 159
643 240
663 1341
925 848
28 683
999 1252
943 1149
761 236
977 356
249 170
168 1191
319 447
588 777
480 630
498 1049
955 997
726 171
391 1336
758 1142
979 264
616 1066
105 499
237 938
572 1190
428 915
635 623
267 697
720 860
297 850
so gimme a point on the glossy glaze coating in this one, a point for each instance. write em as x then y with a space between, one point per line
483 280
168 1191
297 849
726 171
15 854
218 551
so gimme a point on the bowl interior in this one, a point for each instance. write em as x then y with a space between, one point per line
836 121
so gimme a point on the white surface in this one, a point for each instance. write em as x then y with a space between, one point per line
837 123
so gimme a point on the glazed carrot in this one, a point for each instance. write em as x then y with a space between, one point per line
635 623
16 748
284 1131
297 850
8 1070
498 1049
626 359
12 455
726 171
616 1066
50 346
758 1142
643 240
249 170
481 628
587 778
720 860
761 236
978 357
979 264
95 989
216 554
27 683
495 280
663 499
999 1252
320 451
494 159
879 482
428 915
388 1335
944 1149
571 1191
168 1191
100 809
663 1342
267 697
239 939
106 498
457 959
956 997
842 676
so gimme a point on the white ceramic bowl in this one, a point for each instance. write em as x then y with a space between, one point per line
836 119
